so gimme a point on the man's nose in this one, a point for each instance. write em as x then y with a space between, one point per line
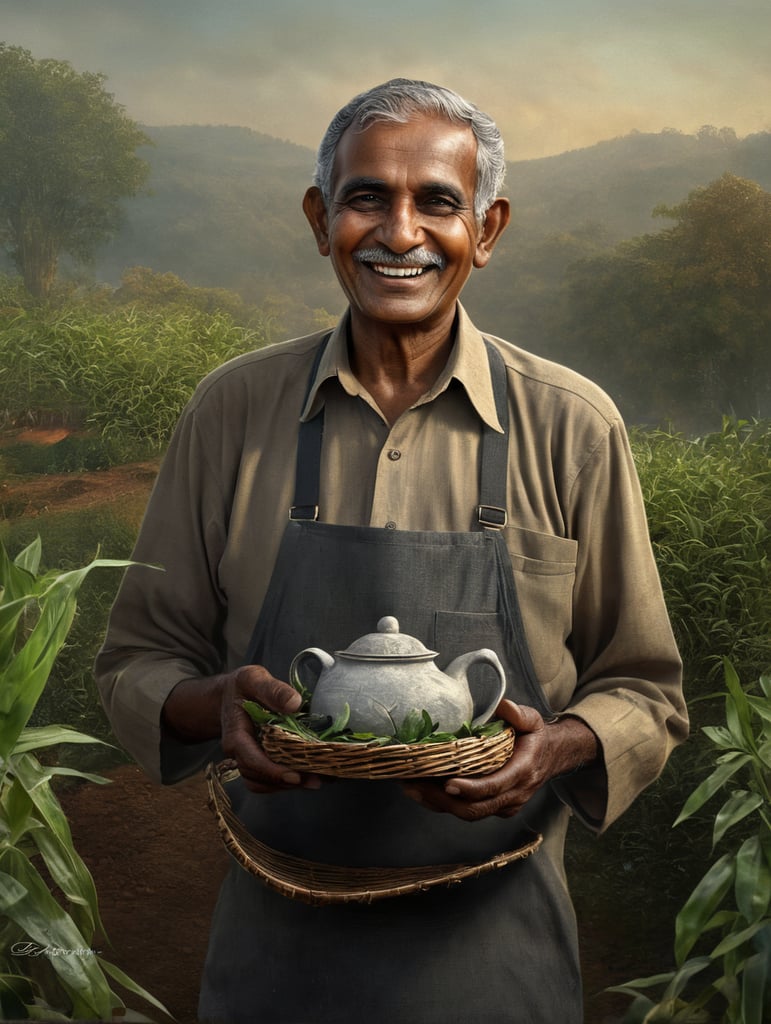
401 228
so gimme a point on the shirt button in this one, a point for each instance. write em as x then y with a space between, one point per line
390 525
394 455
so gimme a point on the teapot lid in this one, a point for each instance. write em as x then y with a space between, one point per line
388 644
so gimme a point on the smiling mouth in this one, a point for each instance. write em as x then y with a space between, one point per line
388 271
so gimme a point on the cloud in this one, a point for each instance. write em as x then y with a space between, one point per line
555 76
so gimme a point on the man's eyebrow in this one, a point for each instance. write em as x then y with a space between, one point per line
359 183
443 188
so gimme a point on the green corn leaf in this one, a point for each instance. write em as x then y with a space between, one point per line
712 784
736 940
71 873
738 712
719 736
761 706
131 986
29 558
753 880
738 806
16 993
756 979
701 905
25 899
17 810
52 735
681 977
765 685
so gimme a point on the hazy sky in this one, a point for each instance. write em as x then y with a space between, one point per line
556 74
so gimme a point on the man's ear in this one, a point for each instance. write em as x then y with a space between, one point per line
316 212
496 219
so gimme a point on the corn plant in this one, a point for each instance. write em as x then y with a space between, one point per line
728 914
49 969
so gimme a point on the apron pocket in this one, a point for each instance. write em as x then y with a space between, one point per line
457 633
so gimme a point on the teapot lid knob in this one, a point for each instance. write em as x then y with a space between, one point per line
388 624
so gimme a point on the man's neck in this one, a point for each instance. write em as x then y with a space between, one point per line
398 363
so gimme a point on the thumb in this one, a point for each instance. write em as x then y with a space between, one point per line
522 717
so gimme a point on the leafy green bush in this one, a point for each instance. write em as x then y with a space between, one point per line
733 899
123 374
36 612
709 509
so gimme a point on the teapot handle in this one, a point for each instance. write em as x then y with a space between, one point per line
488 657
327 661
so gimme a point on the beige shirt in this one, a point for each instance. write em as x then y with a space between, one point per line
588 586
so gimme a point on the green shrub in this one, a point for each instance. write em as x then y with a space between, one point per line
723 932
124 375
709 509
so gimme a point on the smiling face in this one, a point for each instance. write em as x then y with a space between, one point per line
400 227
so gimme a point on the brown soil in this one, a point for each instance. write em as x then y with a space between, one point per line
123 488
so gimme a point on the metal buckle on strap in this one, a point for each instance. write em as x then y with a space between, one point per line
492 517
309 513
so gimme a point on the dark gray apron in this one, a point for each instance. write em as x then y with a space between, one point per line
498 948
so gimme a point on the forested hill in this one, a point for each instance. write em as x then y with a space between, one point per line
618 183
224 205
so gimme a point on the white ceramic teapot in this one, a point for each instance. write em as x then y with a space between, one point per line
383 676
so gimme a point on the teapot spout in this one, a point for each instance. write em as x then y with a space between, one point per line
490 694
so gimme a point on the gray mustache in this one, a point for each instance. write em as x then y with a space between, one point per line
413 258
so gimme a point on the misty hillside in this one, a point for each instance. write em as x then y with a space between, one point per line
618 183
224 210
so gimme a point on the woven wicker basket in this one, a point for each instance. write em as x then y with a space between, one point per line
324 884
470 756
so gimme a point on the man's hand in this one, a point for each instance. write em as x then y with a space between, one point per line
541 752
202 709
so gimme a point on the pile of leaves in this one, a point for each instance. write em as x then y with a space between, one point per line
416 727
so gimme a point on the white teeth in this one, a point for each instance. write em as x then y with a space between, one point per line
381 268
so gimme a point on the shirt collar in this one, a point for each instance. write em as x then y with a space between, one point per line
468 364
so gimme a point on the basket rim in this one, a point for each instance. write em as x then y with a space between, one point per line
324 884
472 755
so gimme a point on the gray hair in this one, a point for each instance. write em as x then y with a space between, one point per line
397 101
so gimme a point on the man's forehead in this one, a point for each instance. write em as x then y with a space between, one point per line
381 139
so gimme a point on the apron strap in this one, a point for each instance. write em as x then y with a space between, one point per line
491 511
308 466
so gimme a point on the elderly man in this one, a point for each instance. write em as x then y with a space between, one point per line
404 465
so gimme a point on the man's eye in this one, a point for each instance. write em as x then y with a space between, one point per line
441 204
364 200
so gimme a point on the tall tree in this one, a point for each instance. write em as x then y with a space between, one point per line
67 158
681 319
